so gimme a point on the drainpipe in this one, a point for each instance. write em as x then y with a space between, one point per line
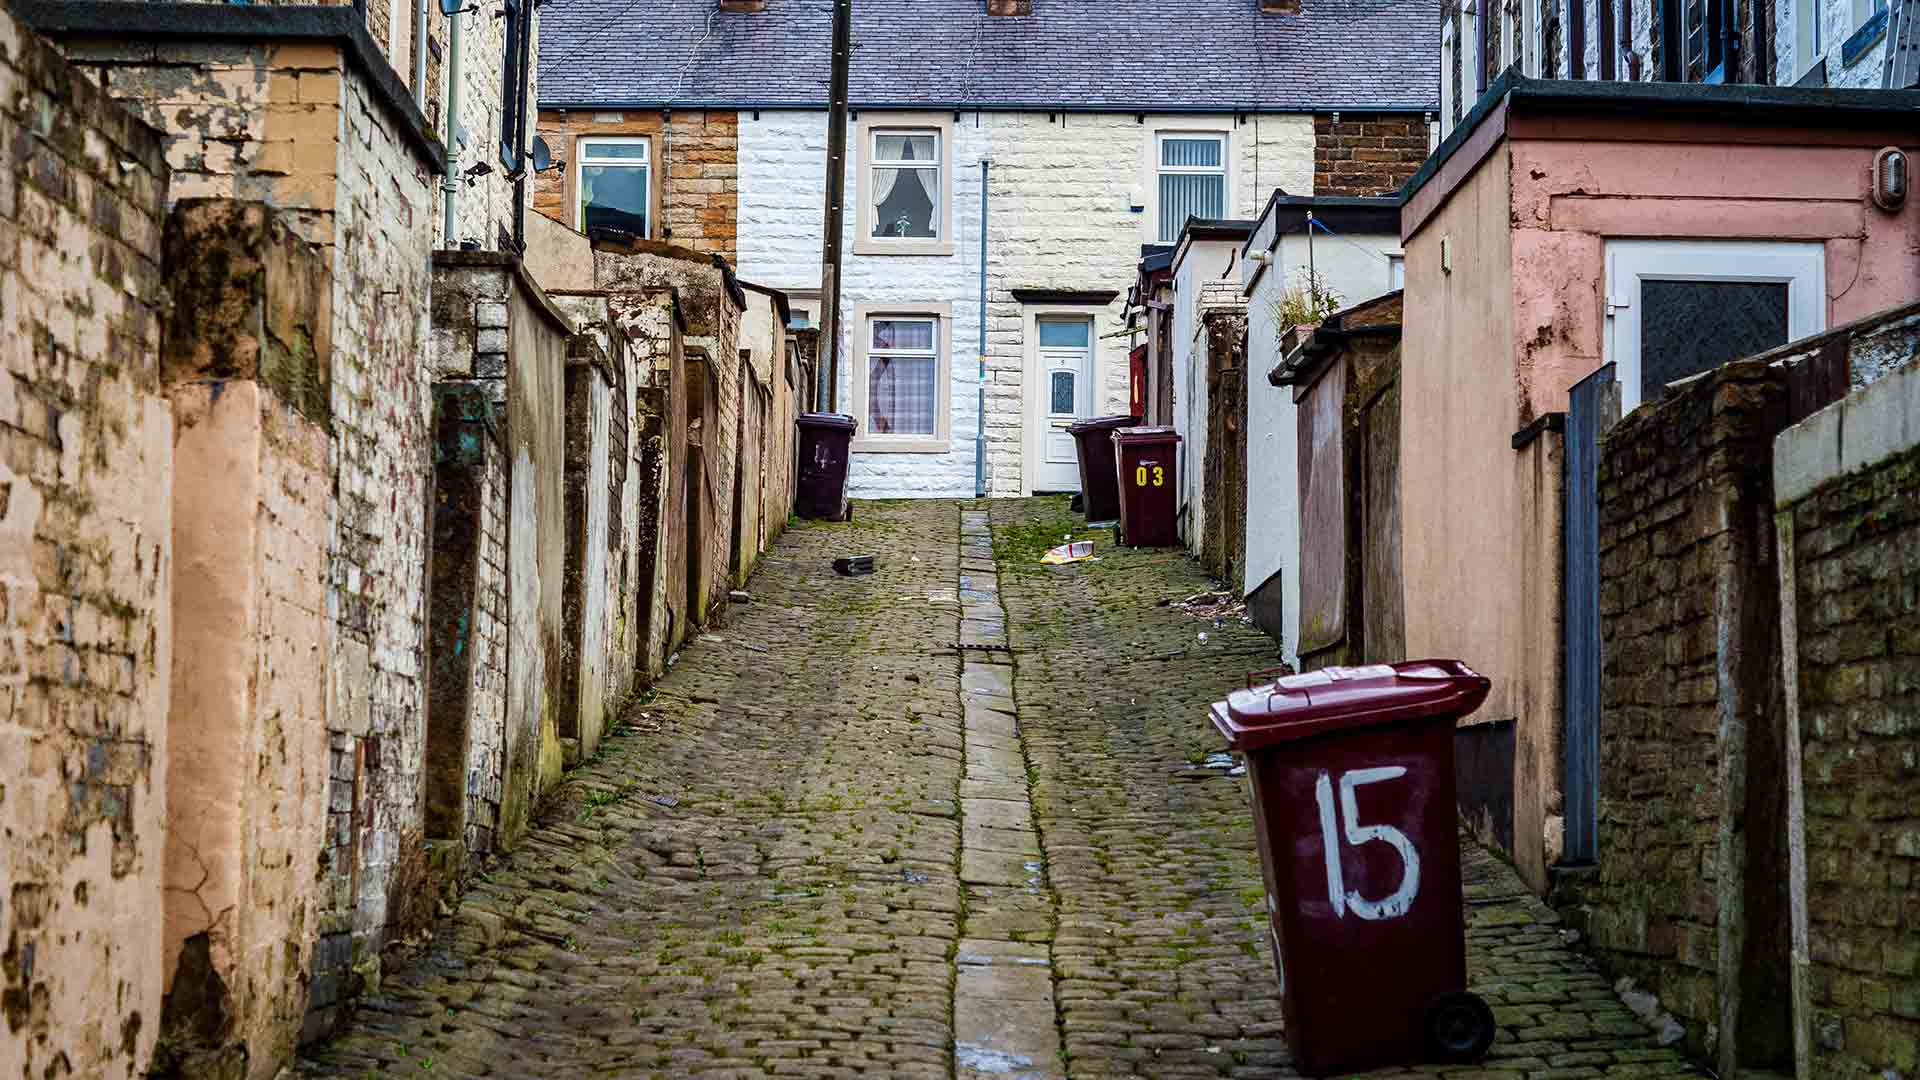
980 417
420 15
450 187
520 140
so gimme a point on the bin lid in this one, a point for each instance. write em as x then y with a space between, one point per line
1101 423
825 420
1343 698
1146 435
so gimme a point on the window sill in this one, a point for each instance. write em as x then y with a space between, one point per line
870 246
900 445
1863 39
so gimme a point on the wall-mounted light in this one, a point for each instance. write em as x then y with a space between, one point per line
1890 179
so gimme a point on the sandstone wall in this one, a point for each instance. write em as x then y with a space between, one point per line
694 158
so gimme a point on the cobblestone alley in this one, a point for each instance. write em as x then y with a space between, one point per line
826 846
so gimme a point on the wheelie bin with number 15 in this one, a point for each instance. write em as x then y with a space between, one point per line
1350 771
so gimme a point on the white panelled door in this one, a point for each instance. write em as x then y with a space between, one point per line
1066 395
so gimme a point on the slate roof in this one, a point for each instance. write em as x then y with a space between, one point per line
1070 55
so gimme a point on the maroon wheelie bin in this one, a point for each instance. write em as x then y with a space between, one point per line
821 494
1099 478
1350 772
1147 460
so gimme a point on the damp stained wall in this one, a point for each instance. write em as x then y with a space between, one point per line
86 563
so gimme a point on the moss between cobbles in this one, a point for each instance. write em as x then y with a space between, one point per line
766 884
1162 960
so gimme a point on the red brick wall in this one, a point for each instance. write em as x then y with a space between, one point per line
1366 153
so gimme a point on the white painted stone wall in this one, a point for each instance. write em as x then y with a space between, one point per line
1355 271
1198 287
382 418
1060 217
1868 70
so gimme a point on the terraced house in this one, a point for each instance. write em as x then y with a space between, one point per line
1006 163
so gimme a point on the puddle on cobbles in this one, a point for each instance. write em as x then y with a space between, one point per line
983 1059
1218 763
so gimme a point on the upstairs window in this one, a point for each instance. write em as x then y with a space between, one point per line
905 185
616 185
1193 181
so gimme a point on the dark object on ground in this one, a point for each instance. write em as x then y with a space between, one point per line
1459 1027
853 565
1078 503
740 596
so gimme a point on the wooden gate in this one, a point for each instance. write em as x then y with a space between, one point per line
1593 407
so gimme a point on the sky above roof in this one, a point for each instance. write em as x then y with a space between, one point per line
1070 55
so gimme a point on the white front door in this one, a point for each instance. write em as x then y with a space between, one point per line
1065 395
1676 308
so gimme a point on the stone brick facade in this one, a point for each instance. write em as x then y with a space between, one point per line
1366 153
1043 238
694 169
86 561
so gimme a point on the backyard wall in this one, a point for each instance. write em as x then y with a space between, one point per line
1847 481
86 563
244 360
1688 895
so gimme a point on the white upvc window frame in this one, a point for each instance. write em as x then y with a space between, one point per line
870 127
861 325
1800 265
583 158
1224 170
1809 35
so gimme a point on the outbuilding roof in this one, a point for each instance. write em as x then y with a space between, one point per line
1069 55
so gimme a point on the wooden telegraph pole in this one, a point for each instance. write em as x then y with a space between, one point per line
836 190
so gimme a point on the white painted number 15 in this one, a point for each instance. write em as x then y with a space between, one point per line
1342 898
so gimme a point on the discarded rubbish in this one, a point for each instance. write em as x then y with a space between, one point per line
1070 552
753 648
740 596
853 565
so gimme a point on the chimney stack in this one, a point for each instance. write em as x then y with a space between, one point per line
1279 7
1009 7
743 7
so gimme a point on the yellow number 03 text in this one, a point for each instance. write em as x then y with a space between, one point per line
1140 476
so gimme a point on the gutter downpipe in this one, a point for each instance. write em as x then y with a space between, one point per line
421 11
980 416
450 187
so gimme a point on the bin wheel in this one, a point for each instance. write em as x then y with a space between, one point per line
848 516
1458 1027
